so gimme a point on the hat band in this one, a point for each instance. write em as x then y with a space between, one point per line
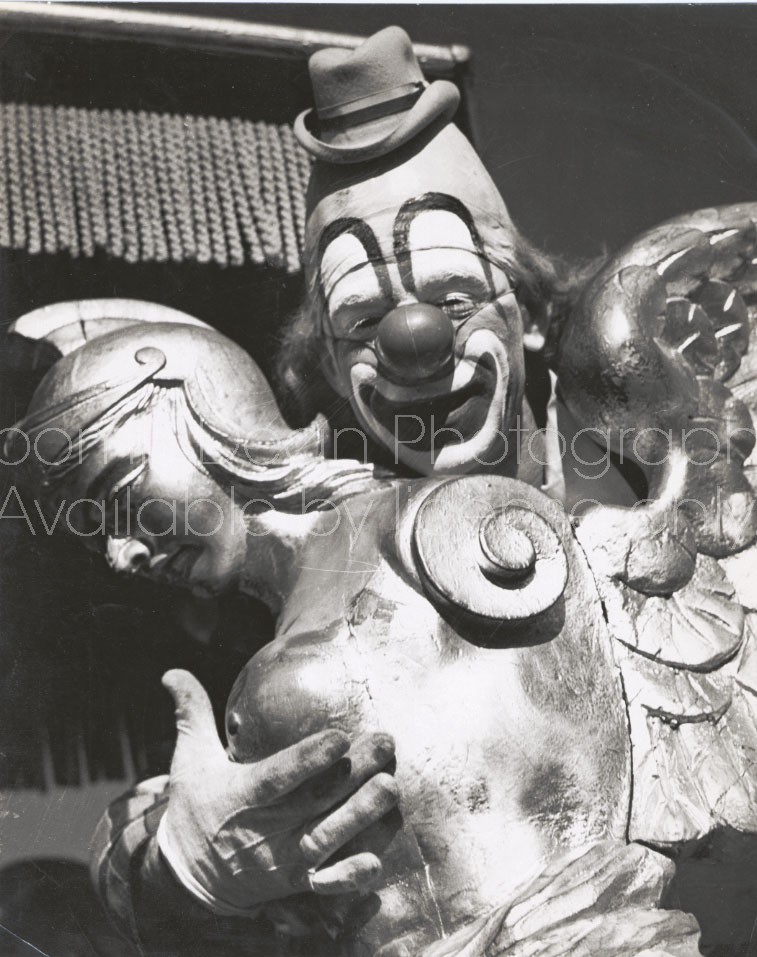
374 107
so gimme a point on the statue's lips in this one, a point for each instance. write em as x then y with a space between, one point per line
175 567
418 421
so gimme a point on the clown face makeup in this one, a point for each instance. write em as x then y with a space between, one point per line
422 329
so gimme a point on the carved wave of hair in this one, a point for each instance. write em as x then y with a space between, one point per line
80 445
290 474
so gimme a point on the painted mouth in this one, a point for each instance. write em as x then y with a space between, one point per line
447 418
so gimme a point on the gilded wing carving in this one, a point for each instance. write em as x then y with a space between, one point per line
688 667
657 360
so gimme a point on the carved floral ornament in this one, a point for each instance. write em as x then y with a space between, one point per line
556 690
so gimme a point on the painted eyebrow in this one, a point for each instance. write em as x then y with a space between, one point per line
421 204
367 239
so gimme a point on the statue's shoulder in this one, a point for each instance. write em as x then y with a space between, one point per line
490 548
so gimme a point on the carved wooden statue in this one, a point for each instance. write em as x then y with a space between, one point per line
494 674
424 300
473 708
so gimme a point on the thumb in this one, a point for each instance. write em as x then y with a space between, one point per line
195 723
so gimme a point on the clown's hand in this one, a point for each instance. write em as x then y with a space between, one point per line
238 835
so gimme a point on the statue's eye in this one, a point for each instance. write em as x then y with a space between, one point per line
458 306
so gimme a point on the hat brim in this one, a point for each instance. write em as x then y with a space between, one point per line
440 99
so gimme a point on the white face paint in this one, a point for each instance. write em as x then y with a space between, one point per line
351 287
444 259
441 441
458 423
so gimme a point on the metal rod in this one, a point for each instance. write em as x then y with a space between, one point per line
206 33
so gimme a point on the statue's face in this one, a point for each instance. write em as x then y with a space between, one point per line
424 337
141 498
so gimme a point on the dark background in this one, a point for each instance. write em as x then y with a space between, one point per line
595 121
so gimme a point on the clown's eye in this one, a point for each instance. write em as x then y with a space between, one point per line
365 326
458 306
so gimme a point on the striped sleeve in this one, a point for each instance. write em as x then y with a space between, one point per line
145 902
120 841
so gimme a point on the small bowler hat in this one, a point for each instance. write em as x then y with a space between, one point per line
371 100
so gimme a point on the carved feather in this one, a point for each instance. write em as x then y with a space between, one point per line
657 358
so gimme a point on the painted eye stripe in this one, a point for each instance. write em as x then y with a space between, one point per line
367 239
401 234
365 235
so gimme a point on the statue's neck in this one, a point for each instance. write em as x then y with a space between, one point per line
275 542
309 567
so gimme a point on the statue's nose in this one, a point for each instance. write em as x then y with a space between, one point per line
415 341
126 554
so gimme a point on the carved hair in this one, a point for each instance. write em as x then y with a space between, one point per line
289 471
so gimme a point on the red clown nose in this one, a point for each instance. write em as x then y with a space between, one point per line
415 341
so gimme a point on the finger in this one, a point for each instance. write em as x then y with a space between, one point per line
358 873
369 804
368 754
283 772
195 722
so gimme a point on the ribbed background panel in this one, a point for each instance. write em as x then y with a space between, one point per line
151 187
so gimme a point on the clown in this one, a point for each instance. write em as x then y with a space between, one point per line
423 295
425 301
458 348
